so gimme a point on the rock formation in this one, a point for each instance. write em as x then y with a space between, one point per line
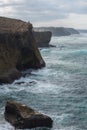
18 50
22 117
58 31
42 38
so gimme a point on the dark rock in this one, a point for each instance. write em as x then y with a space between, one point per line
18 50
10 76
19 83
28 83
42 38
52 45
22 117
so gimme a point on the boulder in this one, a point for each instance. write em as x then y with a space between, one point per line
22 117
18 50
42 38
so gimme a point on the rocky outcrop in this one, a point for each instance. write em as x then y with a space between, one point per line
22 117
18 50
58 31
8 60
42 38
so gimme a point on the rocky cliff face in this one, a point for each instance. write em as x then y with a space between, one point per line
8 60
18 49
42 38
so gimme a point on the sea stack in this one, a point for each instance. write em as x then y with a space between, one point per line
42 38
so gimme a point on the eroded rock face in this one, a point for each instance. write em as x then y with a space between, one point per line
42 38
18 50
8 60
21 116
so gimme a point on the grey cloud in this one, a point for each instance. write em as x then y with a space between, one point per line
39 10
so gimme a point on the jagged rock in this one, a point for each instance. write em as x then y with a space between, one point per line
42 38
28 83
18 50
21 116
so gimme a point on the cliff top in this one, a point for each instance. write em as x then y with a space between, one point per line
9 25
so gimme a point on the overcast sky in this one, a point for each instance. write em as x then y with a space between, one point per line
66 13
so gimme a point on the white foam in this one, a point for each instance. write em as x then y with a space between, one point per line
5 126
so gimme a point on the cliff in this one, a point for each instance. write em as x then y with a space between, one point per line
42 38
58 31
18 50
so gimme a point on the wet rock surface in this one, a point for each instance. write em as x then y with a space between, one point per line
21 116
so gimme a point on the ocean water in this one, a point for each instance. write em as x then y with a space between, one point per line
58 90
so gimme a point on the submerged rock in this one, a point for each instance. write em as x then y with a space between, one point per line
18 50
22 117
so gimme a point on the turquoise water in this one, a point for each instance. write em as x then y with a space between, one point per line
58 90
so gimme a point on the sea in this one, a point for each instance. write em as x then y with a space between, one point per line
59 90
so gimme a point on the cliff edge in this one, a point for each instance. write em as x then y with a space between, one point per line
18 50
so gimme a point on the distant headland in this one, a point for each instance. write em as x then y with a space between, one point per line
58 31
